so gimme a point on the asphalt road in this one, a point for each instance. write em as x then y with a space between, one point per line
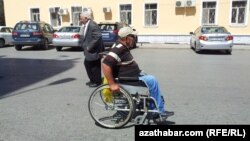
43 96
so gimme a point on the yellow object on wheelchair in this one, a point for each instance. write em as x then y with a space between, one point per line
107 94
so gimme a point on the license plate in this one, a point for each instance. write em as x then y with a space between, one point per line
24 35
217 39
105 35
65 37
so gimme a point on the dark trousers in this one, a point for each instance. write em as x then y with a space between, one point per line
93 69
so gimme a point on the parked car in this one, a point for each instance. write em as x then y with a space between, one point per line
211 38
29 33
67 36
110 32
5 36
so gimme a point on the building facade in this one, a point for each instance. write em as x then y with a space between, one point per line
157 21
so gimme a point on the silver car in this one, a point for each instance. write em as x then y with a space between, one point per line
5 36
67 36
211 38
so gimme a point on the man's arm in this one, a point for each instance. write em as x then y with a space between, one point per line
96 37
109 75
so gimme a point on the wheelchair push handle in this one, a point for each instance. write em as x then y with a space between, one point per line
102 54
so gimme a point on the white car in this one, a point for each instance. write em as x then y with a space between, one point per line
211 38
5 36
67 36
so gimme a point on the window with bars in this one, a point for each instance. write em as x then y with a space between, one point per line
125 13
150 14
55 18
238 12
76 11
35 14
208 13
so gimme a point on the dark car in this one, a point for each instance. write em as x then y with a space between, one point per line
28 33
110 32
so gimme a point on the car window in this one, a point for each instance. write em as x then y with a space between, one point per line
3 30
75 29
11 29
47 28
8 30
69 29
213 30
26 26
50 28
34 26
197 30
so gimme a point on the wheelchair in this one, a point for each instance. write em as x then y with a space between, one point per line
116 109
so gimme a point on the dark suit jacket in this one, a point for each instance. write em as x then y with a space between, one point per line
92 42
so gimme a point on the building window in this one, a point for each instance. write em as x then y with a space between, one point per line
76 11
125 13
238 12
150 14
208 12
55 18
35 14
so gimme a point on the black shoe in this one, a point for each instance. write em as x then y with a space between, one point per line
167 114
94 84
121 114
87 83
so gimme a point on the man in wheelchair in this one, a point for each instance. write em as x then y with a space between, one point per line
119 63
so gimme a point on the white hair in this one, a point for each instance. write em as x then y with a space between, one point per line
87 14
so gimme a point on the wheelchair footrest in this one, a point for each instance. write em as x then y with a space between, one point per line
141 119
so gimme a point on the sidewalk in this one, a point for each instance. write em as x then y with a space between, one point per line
181 46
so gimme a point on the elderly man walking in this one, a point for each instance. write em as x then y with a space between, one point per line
91 42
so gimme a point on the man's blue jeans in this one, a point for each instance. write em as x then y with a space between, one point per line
154 91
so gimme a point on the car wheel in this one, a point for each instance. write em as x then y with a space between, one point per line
229 52
1 43
45 45
58 48
18 47
196 49
191 47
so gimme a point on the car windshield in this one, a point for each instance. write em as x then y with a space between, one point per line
206 30
69 29
26 26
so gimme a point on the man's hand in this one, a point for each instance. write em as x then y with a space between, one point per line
114 87
88 49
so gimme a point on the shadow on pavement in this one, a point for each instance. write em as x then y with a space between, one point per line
16 73
36 48
71 49
211 52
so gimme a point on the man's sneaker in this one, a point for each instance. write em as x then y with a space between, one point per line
121 114
87 83
164 116
167 114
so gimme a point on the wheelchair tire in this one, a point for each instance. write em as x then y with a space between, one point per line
111 111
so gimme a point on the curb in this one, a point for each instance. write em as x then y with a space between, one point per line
181 46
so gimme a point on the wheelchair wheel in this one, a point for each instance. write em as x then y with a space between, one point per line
111 110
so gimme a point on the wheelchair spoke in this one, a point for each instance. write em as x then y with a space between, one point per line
112 111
